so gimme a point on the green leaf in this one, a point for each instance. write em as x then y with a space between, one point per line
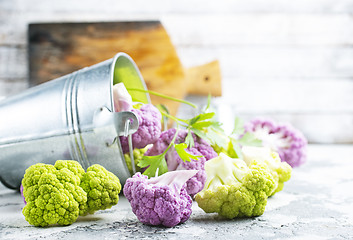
153 163
200 134
162 107
205 116
201 125
189 140
156 162
194 120
208 106
234 150
208 102
183 154
249 139
238 126
217 125
200 118
217 137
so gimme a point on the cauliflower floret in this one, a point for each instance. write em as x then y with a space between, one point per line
160 200
281 171
53 195
174 162
289 142
149 129
59 194
148 116
102 188
233 189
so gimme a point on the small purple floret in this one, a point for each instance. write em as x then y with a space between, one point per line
161 200
289 142
174 162
149 129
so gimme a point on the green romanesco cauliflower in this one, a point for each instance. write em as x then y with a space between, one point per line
102 188
53 195
72 182
71 165
281 171
56 194
233 189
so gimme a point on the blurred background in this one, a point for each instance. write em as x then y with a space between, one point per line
287 60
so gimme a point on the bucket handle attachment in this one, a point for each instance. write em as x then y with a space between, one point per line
104 117
126 123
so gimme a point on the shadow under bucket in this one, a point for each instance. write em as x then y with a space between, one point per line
71 117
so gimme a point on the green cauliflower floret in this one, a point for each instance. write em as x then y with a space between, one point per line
57 194
72 182
53 195
233 189
102 188
138 154
71 165
281 171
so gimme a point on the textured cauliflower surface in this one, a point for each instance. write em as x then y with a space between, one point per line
159 202
53 195
102 188
174 162
288 141
233 189
149 129
59 194
281 171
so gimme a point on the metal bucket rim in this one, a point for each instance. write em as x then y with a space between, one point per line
137 71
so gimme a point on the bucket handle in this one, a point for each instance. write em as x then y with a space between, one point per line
128 124
104 117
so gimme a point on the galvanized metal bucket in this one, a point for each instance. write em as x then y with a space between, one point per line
71 117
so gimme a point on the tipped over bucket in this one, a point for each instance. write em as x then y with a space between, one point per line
71 117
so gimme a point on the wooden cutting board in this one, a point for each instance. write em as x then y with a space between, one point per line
56 49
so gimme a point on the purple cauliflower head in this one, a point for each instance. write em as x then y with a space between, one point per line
160 200
148 116
149 129
289 142
174 162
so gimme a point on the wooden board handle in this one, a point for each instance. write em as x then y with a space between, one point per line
204 79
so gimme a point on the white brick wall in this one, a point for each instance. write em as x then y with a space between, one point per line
290 60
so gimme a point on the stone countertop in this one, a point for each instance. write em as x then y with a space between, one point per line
317 203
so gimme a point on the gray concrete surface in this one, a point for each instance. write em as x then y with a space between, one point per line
317 203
